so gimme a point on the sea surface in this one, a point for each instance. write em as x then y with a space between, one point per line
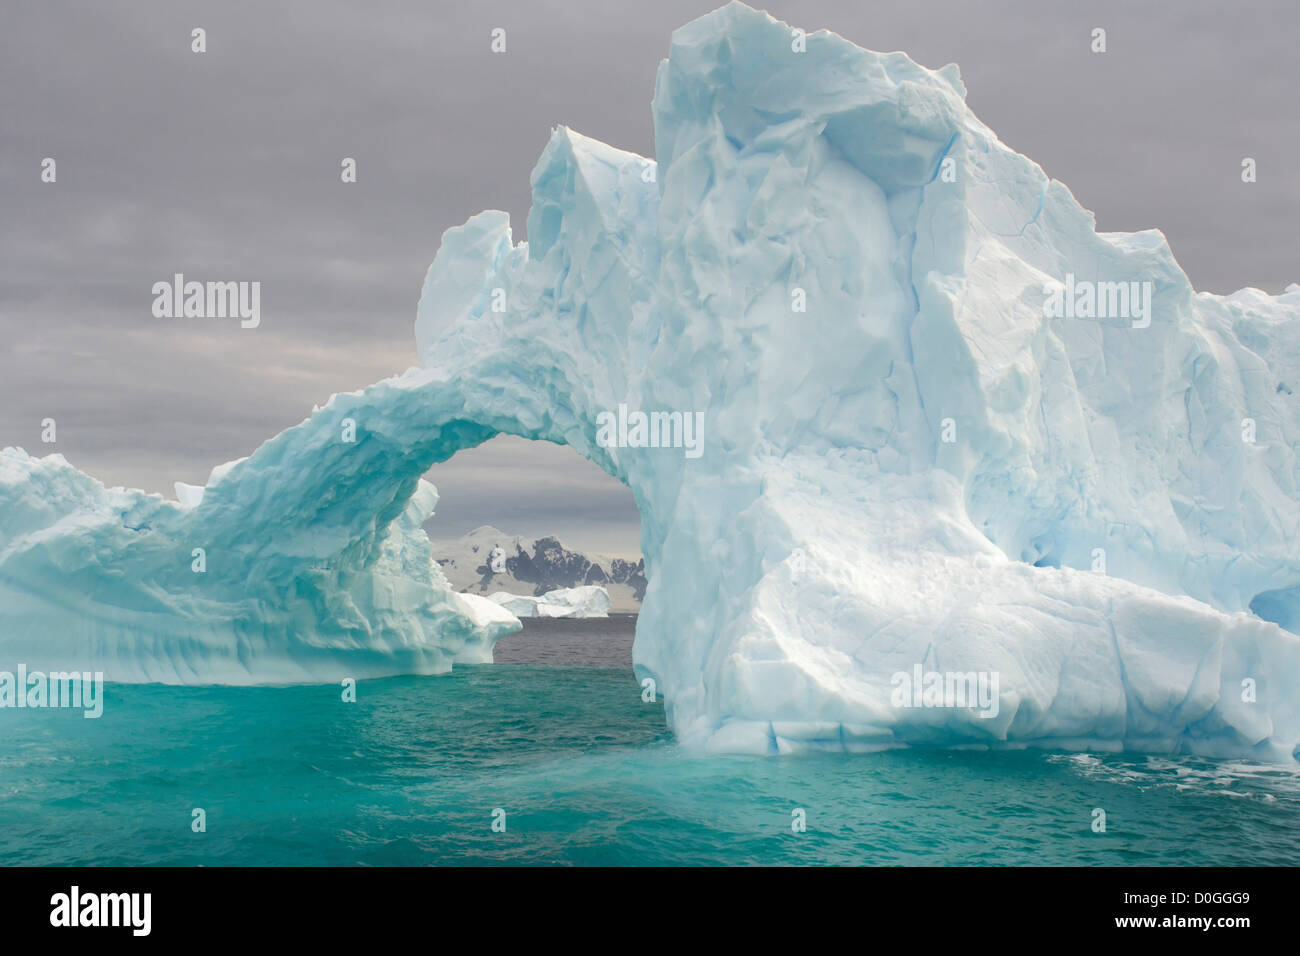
555 742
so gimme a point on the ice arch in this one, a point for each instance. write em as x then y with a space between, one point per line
910 467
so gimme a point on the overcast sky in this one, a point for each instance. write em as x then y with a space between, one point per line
225 165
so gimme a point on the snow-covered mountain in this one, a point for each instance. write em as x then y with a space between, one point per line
488 560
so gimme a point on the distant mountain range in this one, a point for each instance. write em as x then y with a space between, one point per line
487 560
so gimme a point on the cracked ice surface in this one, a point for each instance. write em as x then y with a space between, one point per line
829 536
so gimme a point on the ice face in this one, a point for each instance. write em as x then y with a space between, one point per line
236 587
953 442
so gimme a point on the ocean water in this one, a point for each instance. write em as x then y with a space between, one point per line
556 736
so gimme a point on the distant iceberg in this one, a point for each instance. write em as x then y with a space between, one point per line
588 601
948 430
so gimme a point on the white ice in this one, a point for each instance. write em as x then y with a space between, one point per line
589 600
921 467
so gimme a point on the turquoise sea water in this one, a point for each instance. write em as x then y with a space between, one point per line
410 775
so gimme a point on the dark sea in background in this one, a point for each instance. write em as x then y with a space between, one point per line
557 736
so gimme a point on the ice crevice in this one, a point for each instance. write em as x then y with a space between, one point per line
874 468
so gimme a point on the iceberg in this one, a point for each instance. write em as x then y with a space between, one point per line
947 428
219 588
590 600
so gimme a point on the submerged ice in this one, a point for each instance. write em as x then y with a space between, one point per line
915 459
